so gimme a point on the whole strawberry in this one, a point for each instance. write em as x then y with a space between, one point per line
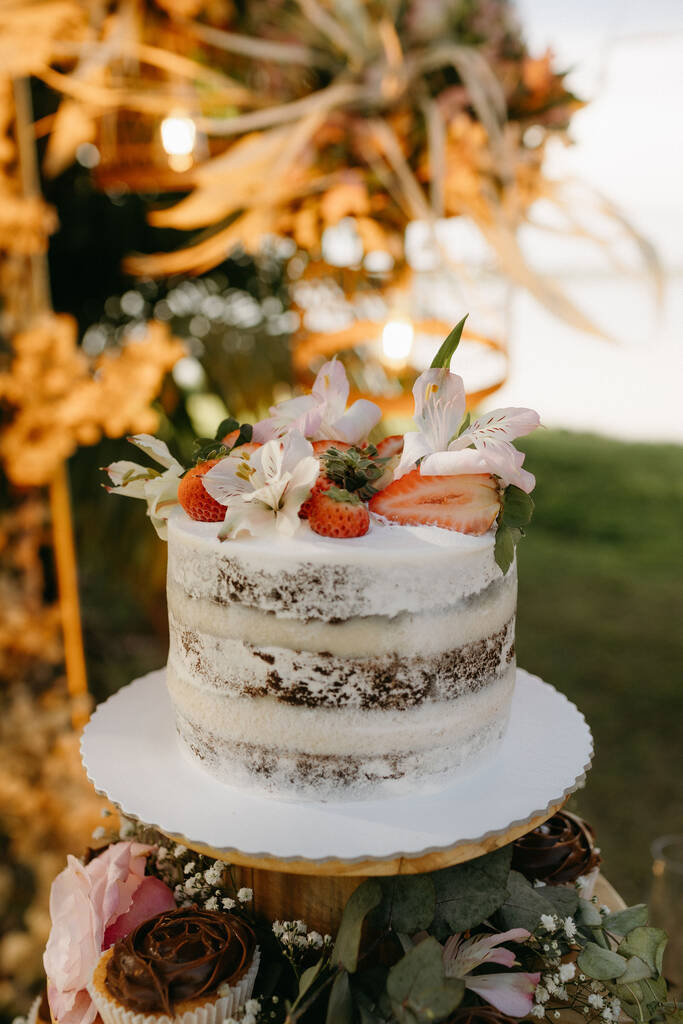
338 513
194 497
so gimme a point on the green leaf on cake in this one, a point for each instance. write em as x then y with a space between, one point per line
468 893
418 989
445 354
516 511
364 899
600 964
588 914
340 1005
648 944
621 922
307 978
408 903
226 427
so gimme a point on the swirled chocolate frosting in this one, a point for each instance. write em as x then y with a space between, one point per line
560 850
178 955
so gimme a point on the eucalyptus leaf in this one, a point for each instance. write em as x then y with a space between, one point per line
636 970
642 1000
565 901
648 944
418 989
523 905
600 964
445 354
468 893
408 903
518 507
588 914
340 1005
621 922
360 903
308 977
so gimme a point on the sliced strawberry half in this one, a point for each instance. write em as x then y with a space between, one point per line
467 504
320 447
390 446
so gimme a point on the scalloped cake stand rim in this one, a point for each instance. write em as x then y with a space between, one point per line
131 756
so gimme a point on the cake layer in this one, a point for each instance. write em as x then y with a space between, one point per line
325 753
390 570
239 668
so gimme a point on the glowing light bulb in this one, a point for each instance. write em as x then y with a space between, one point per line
178 136
397 342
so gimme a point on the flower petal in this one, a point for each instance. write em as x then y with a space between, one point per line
439 406
454 463
156 449
356 423
222 481
152 897
331 390
511 993
415 447
129 478
295 449
504 424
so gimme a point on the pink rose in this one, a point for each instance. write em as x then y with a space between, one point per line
91 907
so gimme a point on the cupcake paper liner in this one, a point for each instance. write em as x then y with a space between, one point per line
214 1012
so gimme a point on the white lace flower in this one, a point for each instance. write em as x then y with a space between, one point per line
483 447
159 490
265 490
322 415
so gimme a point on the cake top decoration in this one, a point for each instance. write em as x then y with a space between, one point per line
311 459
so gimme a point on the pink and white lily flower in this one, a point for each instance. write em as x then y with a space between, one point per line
322 415
159 490
265 490
439 410
510 993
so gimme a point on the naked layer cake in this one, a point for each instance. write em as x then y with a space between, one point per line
341 614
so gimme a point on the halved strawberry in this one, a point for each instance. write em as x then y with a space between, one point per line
320 447
467 504
194 497
247 448
392 445
338 513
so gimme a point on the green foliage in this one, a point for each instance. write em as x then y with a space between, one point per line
342 496
468 893
443 357
340 1005
408 903
516 511
523 905
362 900
601 964
648 944
621 922
355 469
206 448
418 989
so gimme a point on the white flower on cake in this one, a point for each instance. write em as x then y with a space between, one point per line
322 415
265 490
446 449
159 490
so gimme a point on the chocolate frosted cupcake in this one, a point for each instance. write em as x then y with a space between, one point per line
194 966
559 852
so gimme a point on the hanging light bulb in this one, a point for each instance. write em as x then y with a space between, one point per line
397 342
178 137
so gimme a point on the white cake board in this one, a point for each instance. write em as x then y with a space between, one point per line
131 755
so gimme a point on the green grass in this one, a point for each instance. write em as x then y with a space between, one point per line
601 617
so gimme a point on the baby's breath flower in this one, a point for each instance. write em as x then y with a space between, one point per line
314 939
162 854
213 875
537 1011
607 1014
228 904
179 850
245 895
569 927
567 972
596 1001
541 995
249 1018
252 1006
189 867
539 884
211 903
549 922
556 1014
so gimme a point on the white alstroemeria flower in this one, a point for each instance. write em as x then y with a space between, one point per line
322 415
159 490
439 411
265 490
